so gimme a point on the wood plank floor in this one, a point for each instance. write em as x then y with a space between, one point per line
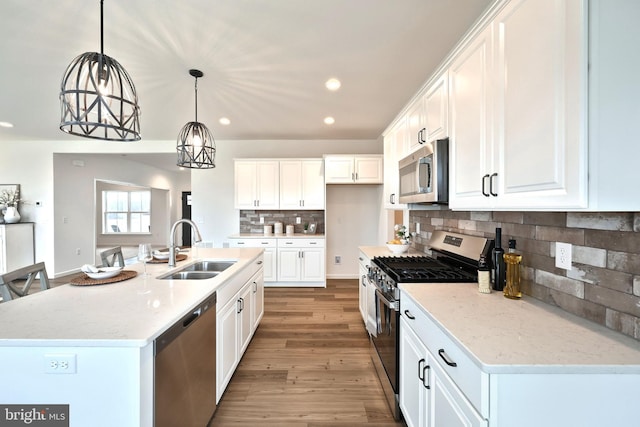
308 365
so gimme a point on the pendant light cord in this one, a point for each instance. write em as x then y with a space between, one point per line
196 90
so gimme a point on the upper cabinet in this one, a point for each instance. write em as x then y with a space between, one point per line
427 116
256 184
302 184
357 169
518 110
395 147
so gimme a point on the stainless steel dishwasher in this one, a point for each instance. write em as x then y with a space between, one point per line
185 369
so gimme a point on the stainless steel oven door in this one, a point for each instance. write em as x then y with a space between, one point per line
386 339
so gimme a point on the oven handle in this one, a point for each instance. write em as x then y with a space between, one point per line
393 305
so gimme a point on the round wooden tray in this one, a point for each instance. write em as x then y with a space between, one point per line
84 280
179 257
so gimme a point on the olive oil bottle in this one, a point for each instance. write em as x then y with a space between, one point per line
512 260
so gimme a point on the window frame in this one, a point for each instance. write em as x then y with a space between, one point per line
129 212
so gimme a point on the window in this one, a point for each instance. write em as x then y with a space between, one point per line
126 211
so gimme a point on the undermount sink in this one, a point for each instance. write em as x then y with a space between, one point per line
199 270
209 266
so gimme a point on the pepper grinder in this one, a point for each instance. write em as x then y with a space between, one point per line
498 262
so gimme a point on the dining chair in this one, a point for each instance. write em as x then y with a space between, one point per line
110 256
11 282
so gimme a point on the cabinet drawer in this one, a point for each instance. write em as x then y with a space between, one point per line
252 243
301 243
467 376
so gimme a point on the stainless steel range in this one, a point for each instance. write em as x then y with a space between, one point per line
454 259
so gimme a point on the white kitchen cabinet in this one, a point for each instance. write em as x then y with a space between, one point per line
395 148
518 110
256 184
359 169
270 253
301 262
427 116
302 184
16 246
366 295
239 309
439 386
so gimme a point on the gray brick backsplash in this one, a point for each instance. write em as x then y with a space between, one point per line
604 283
619 221
250 220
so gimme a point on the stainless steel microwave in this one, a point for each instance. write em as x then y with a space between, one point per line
424 174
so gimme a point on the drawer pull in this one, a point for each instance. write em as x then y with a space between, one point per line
409 315
444 357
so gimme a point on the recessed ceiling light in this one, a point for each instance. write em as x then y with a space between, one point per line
224 121
329 120
6 124
333 84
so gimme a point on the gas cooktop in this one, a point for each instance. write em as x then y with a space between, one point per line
416 269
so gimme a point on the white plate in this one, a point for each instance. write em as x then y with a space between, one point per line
161 254
105 273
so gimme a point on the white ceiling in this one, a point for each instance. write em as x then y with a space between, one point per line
264 61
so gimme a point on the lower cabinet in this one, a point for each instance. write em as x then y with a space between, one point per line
269 245
429 368
301 262
367 295
239 308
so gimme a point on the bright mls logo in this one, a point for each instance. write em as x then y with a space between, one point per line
34 415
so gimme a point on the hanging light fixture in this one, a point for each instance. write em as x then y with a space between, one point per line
196 146
98 99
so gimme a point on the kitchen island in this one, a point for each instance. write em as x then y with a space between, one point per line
102 338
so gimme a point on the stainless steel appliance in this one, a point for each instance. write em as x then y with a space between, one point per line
454 259
185 369
424 174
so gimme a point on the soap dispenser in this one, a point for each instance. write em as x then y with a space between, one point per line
512 260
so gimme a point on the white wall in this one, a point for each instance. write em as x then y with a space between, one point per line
352 220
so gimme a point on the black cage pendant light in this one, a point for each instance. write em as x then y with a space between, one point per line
196 146
98 99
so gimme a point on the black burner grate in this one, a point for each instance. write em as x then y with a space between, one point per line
419 269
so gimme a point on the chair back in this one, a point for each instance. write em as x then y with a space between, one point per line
111 256
10 283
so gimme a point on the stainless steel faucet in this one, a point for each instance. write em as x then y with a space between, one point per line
172 238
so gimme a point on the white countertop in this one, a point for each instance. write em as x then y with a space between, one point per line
128 313
521 336
275 236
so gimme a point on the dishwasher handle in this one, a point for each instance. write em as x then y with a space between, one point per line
181 325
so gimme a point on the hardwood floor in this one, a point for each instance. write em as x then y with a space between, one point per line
308 365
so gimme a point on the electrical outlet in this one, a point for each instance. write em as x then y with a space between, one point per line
337 259
59 363
77 251
261 220
298 220
563 255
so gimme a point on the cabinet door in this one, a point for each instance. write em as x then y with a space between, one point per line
368 170
540 104
447 405
470 140
227 346
267 185
416 125
436 109
290 184
270 266
362 293
245 184
245 305
288 264
257 287
413 368
312 179
312 269
338 169
395 148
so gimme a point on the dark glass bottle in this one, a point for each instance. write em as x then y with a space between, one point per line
498 262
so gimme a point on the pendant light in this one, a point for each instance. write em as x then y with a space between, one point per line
98 99
196 146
